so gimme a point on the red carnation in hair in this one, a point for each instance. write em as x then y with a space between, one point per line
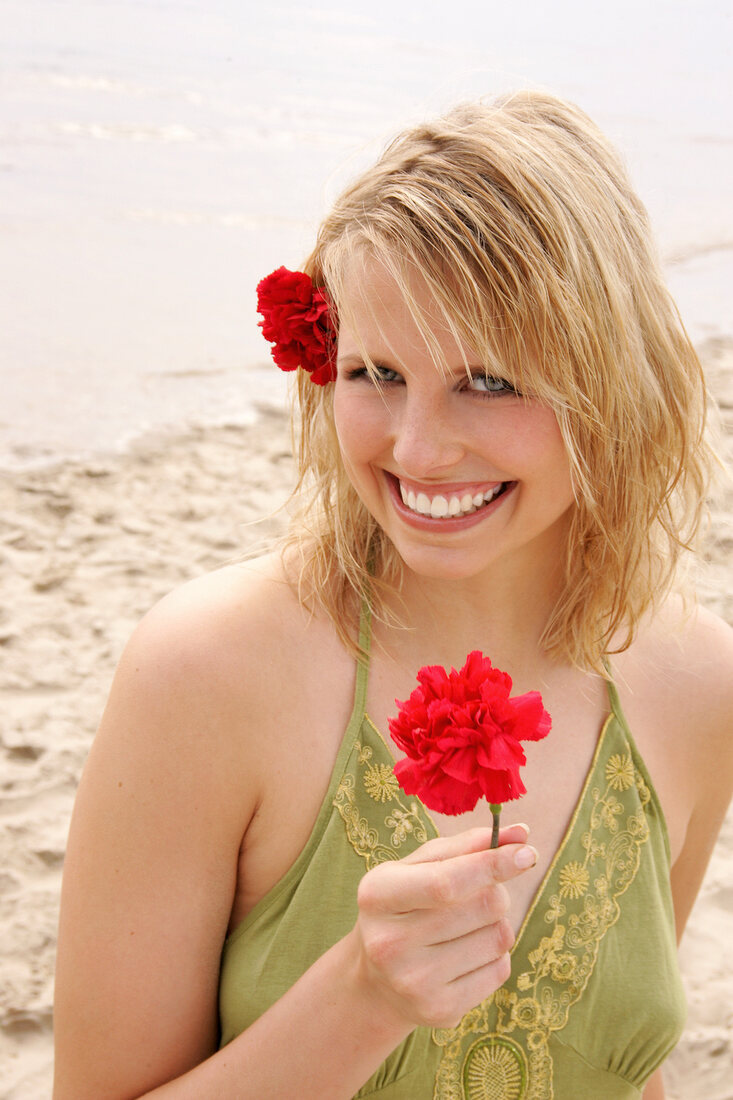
461 732
297 320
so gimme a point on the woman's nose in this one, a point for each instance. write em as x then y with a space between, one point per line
426 440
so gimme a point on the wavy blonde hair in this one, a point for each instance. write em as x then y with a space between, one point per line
520 218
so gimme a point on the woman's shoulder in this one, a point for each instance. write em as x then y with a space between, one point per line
680 672
213 691
677 677
218 598
683 655
676 688
234 621
237 642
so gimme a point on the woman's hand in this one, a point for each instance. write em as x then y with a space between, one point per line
432 931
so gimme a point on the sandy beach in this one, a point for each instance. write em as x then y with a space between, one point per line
86 549
156 160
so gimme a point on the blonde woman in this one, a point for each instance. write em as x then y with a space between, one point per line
501 448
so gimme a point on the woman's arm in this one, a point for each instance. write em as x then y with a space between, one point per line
325 1037
706 682
150 868
679 683
677 686
655 1087
703 702
170 787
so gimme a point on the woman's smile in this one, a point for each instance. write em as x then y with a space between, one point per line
450 506
455 465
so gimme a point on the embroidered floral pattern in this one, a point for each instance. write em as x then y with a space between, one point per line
402 823
574 879
380 782
363 837
608 808
500 1050
495 1069
581 897
620 771
403 820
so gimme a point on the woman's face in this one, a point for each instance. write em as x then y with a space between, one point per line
461 472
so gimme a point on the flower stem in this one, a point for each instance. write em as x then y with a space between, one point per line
495 808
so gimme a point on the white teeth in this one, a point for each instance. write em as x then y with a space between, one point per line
441 506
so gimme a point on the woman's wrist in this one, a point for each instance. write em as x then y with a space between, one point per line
387 1021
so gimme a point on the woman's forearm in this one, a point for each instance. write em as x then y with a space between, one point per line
321 1041
654 1087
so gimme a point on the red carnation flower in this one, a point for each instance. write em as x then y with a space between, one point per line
461 732
296 319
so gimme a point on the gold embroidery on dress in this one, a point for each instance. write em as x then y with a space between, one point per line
500 1050
403 820
620 771
495 1069
380 781
574 880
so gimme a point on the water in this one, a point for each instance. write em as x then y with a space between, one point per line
157 157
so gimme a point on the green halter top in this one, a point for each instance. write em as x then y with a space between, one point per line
594 1002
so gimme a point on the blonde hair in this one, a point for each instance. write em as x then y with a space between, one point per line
553 275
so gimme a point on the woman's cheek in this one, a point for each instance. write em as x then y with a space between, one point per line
362 426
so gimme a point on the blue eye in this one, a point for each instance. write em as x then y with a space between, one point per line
384 374
488 384
379 375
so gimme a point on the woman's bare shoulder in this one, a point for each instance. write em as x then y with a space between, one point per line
236 643
682 655
676 686
221 631
200 712
238 601
192 683
683 659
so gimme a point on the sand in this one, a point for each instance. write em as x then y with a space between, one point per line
86 547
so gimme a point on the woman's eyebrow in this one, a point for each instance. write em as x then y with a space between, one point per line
351 357
474 370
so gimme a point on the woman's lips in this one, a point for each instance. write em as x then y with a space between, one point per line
457 506
439 505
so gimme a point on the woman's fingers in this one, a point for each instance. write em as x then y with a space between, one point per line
435 985
464 993
465 954
433 925
470 840
482 909
443 880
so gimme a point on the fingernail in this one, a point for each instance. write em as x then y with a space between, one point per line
525 857
522 825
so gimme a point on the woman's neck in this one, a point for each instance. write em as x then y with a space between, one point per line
504 614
